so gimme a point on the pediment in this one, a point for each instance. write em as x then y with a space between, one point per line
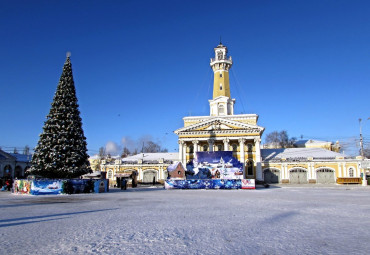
219 124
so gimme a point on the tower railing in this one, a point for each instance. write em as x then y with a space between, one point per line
216 59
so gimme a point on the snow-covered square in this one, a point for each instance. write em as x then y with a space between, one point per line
150 220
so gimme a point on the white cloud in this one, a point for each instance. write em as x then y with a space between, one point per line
112 148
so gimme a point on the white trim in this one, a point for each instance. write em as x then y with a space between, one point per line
219 71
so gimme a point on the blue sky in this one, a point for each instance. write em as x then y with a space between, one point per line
141 66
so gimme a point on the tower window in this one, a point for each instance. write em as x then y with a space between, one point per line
221 110
220 86
220 75
219 55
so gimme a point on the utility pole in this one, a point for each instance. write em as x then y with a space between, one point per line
361 139
364 181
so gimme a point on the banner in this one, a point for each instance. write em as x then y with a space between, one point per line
56 187
248 184
22 186
46 187
210 184
214 165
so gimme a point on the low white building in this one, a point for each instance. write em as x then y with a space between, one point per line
150 166
13 165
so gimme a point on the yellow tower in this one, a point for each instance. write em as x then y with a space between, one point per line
221 104
221 65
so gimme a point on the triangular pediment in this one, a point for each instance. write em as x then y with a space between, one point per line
219 124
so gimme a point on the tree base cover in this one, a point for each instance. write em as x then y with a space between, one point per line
57 186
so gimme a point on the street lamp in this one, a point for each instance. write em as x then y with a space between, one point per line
364 181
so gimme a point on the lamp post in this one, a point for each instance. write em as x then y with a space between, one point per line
364 181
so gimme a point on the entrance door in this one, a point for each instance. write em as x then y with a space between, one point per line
298 176
325 176
148 176
271 175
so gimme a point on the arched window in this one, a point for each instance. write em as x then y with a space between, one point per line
221 110
191 149
351 172
205 148
7 170
249 167
235 147
249 146
110 174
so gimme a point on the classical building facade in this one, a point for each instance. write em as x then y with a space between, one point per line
222 130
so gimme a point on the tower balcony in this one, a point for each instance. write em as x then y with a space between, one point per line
227 60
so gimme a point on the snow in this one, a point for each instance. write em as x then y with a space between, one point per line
309 219
269 154
153 156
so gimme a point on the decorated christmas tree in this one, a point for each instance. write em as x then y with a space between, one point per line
61 151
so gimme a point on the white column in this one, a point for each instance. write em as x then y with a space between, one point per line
313 171
184 153
339 169
140 177
257 142
195 144
181 152
287 172
241 146
241 153
226 144
345 172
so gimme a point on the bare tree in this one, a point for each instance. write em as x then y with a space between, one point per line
125 152
151 147
280 139
102 153
273 139
367 152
